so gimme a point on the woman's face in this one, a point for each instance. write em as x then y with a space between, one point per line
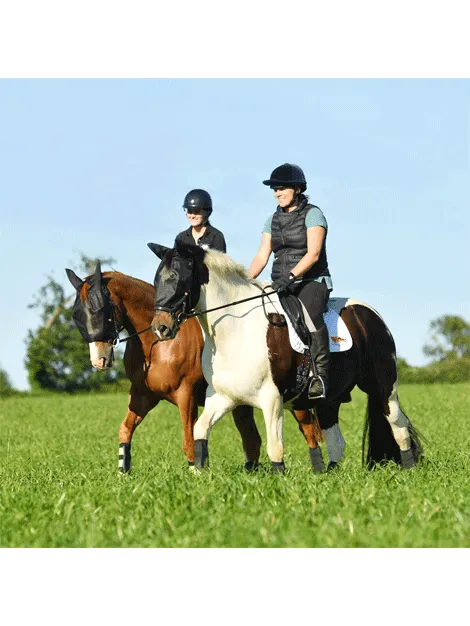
196 217
284 196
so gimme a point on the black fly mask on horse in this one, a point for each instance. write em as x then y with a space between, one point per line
176 285
95 318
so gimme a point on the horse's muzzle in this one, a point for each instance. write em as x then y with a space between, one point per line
164 326
101 355
163 332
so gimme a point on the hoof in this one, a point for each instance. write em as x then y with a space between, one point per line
408 459
278 468
251 466
316 458
332 465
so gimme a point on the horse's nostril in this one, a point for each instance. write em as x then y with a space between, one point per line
164 330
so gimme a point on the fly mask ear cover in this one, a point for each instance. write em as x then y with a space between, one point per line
173 283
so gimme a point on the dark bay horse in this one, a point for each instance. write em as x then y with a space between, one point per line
109 302
248 359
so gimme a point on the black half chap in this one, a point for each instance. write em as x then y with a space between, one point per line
314 296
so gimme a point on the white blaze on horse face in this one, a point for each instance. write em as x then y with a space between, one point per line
101 355
398 421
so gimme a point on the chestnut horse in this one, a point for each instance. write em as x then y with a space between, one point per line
109 302
247 359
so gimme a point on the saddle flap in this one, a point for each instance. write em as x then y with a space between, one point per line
293 309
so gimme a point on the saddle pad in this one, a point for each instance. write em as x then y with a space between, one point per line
340 337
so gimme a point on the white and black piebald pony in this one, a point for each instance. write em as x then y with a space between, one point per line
247 358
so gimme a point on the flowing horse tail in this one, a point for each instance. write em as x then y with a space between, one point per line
378 443
380 382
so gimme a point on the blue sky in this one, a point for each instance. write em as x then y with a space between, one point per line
102 166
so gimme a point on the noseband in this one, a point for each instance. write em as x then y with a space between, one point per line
178 314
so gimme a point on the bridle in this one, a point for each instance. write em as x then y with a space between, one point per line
178 317
118 325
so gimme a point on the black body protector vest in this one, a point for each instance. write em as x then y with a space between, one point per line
289 243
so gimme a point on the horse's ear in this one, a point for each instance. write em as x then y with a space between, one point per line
189 251
74 279
157 249
98 273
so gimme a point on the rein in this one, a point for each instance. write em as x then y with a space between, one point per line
224 306
118 340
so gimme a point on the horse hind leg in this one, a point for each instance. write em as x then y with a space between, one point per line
388 432
403 431
246 425
310 428
328 416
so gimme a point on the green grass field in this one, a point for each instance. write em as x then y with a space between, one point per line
59 485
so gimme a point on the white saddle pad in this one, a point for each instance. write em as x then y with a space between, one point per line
340 337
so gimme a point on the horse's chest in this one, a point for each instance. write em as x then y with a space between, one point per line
239 365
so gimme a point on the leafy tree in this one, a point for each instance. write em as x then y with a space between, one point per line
6 387
450 338
57 357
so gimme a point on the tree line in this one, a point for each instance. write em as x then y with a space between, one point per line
58 360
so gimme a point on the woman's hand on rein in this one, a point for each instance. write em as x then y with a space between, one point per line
285 283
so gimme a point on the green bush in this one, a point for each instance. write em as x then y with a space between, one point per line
445 371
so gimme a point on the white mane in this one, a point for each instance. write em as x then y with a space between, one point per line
228 269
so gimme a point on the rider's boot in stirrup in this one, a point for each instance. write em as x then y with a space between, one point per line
320 351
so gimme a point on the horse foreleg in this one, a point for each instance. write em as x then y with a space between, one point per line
245 422
215 407
273 412
140 403
310 428
328 416
187 406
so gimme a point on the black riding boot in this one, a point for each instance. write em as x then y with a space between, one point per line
320 351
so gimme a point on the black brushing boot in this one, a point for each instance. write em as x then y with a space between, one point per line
278 468
124 458
201 454
316 457
408 459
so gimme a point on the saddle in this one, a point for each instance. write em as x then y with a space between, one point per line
293 310
299 335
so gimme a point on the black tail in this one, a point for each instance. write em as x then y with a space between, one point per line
378 438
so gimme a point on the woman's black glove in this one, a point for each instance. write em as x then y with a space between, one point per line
284 284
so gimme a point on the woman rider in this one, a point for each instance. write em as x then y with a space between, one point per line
198 207
296 233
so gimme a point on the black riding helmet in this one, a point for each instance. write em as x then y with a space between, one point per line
198 199
287 175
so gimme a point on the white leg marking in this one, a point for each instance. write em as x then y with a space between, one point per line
335 443
398 421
